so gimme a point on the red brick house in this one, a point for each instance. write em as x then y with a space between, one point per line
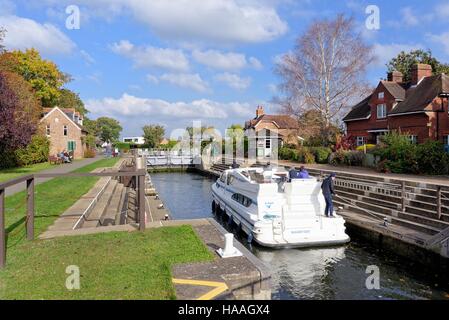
64 129
271 131
418 108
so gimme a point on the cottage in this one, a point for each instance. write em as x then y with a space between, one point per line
64 129
271 131
418 108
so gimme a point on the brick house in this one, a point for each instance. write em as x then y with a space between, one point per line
64 129
418 108
271 131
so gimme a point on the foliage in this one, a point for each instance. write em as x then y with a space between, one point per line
108 129
346 158
89 140
432 158
170 145
343 142
70 99
43 75
397 154
153 135
19 114
286 153
91 126
122 146
404 62
2 36
35 152
321 154
89 153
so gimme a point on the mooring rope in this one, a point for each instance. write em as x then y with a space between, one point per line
370 212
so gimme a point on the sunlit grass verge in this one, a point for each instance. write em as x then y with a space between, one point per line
52 198
8 174
118 265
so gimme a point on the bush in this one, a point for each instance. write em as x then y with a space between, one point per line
286 153
321 154
432 159
122 146
7 159
346 158
89 153
35 152
305 156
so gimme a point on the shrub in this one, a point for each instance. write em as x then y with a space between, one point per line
35 152
431 157
287 154
122 146
354 158
305 156
89 153
321 154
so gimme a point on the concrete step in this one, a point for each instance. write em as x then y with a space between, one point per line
84 231
93 219
108 217
120 217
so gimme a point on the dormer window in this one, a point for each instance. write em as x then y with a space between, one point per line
381 95
381 111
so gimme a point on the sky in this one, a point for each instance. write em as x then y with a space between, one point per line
178 61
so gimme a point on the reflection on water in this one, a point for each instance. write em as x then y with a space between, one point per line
319 273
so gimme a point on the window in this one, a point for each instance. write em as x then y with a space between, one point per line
413 139
48 130
380 95
446 140
223 177
71 145
381 111
267 143
361 141
240 198
66 130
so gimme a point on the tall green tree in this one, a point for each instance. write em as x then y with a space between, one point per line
108 129
69 99
153 135
404 62
43 75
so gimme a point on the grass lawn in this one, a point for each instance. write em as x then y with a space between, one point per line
118 265
52 198
8 174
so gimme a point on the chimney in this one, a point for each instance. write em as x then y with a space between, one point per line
420 71
395 76
259 111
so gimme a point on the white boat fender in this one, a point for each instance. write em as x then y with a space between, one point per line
229 251
166 217
156 197
161 206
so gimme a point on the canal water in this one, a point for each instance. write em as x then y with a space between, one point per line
319 273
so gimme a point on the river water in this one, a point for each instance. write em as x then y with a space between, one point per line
319 273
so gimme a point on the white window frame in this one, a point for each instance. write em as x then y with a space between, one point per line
381 95
48 130
360 141
413 139
65 131
383 108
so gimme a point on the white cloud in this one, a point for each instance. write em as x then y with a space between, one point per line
130 106
152 57
87 57
186 80
152 79
442 10
225 60
386 52
233 80
441 39
23 33
408 17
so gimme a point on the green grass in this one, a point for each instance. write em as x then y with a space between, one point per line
118 265
8 174
52 198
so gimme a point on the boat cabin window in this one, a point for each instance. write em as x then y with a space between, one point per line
230 179
223 177
243 200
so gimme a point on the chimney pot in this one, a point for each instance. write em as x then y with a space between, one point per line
395 76
259 111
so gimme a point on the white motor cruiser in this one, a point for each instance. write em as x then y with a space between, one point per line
275 212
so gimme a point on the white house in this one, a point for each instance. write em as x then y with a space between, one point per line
136 140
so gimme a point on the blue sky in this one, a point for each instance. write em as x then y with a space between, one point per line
173 62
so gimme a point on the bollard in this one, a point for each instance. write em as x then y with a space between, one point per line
229 251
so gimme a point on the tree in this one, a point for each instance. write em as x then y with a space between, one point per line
153 135
325 72
108 129
404 62
43 75
2 36
19 114
70 99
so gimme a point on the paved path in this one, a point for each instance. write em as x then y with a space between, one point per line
63 168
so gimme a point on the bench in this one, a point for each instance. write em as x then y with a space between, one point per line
55 160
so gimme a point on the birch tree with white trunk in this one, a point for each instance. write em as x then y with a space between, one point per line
325 71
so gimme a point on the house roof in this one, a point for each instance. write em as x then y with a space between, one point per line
419 97
397 90
360 111
281 121
68 112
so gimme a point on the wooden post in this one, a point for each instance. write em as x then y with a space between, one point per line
30 209
142 221
2 230
439 202
403 195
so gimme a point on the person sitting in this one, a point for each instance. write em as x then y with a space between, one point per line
293 174
303 173
65 157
